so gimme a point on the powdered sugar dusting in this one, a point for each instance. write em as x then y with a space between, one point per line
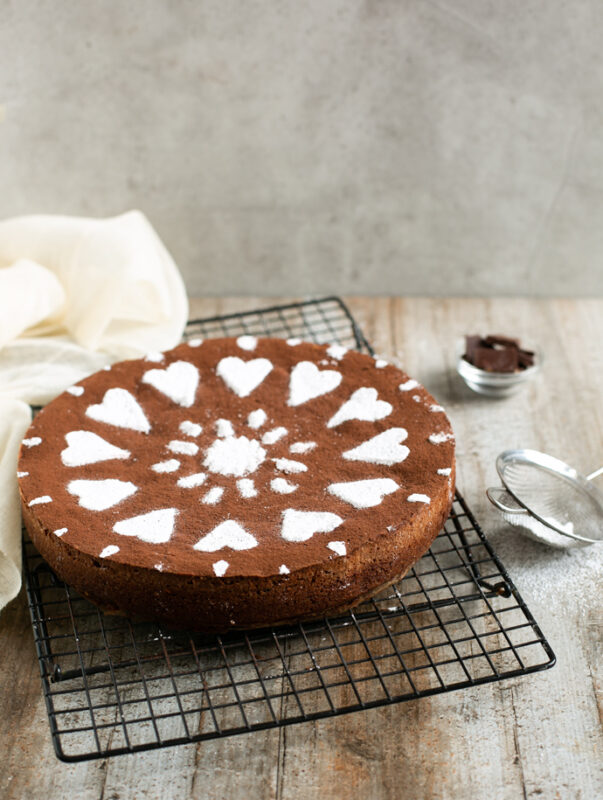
179 382
364 493
40 500
293 342
102 494
284 570
183 448
364 405
119 408
337 547
195 342
154 356
191 481
418 498
220 568
273 436
445 471
408 385
227 534
246 487
60 531
380 363
242 377
171 465
85 447
337 351
213 496
302 447
110 550
307 382
282 486
247 342
384 448
289 466
224 427
299 526
237 456
189 428
441 437
256 418
76 391
33 442
156 527
22 474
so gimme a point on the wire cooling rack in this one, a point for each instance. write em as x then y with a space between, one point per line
113 686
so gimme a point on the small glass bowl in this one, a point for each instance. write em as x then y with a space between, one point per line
494 384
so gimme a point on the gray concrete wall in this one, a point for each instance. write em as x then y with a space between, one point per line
307 146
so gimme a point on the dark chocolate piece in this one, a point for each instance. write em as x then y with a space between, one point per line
496 360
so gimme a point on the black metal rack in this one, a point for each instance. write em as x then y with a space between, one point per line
113 686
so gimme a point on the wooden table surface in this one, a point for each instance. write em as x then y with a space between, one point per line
537 736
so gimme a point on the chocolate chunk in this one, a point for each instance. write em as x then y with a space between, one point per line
497 353
496 360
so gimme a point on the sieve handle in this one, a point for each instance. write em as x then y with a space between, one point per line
495 493
595 474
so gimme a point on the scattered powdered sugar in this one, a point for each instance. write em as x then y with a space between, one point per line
256 418
282 486
40 500
76 391
22 474
418 498
380 363
307 382
299 526
408 385
156 527
119 408
384 448
363 405
337 351
302 447
337 547
100 495
441 437
158 567
435 407
246 487
183 448
195 342
226 534
445 471
60 531
191 481
237 456
365 493
110 550
220 568
247 342
294 342
213 496
189 428
417 398
271 437
284 570
224 427
33 442
179 382
289 466
171 465
154 356
85 447
243 376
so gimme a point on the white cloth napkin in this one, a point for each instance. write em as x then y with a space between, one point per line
75 294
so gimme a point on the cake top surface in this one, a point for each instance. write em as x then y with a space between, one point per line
231 457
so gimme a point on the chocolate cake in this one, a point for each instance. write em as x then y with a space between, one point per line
236 483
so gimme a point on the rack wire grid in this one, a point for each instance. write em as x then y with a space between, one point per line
114 686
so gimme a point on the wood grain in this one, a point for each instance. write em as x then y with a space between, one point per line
536 737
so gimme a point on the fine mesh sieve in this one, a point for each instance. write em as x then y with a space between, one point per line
548 499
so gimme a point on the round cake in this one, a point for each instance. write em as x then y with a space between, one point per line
237 482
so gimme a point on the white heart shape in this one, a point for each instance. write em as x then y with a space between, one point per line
86 447
243 376
384 448
363 494
99 495
226 534
156 527
363 405
119 408
307 382
299 526
179 382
